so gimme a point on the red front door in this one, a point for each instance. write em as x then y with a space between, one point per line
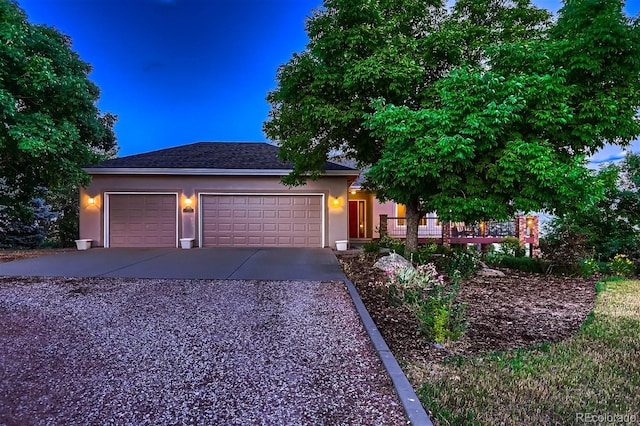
356 219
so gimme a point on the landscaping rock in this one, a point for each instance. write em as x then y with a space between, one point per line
488 272
393 261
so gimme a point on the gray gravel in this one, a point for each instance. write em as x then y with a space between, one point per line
112 351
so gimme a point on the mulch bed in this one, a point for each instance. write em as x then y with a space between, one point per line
9 255
515 311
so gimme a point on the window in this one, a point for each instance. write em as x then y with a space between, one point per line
401 213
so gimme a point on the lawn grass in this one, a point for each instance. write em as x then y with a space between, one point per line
594 373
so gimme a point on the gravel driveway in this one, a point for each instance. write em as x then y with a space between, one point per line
116 351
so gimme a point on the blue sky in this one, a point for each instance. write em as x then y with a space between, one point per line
182 71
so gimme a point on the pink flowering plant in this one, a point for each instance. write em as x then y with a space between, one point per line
430 297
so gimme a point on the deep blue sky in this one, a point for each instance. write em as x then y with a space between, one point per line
182 71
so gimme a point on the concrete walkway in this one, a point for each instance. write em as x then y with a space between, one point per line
277 264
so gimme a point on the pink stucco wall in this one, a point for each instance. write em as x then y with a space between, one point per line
92 217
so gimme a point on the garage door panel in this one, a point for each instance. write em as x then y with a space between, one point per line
314 228
270 227
299 214
284 227
262 221
142 220
285 240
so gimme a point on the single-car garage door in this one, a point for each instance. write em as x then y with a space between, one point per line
262 220
142 220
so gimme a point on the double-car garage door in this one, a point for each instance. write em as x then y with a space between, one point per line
261 220
226 220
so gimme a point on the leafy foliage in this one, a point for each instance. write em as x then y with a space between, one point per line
26 233
393 244
462 264
476 112
432 300
371 247
511 247
51 125
358 50
511 133
603 228
622 266
526 264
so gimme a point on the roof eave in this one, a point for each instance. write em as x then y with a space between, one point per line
205 172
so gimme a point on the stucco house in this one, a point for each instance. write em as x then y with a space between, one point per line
370 218
216 194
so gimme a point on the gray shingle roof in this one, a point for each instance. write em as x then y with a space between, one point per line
210 155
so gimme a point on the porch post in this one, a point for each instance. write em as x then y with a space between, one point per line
446 234
521 229
535 234
383 225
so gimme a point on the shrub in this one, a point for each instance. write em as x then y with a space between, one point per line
392 244
28 230
589 267
622 266
525 264
465 262
371 247
409 285
511 247
565 249
430 298
441 317
424 254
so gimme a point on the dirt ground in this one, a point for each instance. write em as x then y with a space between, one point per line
515 311
8 255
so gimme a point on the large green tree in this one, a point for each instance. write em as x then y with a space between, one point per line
511 133
51 126
396 50
493 111
357 50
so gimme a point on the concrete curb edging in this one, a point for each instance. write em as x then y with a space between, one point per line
410 401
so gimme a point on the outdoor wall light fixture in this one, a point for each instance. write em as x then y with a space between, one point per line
335 202
188 208
92 201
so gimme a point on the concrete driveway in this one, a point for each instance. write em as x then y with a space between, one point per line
199 263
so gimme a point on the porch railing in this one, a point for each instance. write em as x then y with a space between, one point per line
429 227
525 228
484 229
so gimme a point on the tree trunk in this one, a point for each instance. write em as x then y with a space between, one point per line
413 214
